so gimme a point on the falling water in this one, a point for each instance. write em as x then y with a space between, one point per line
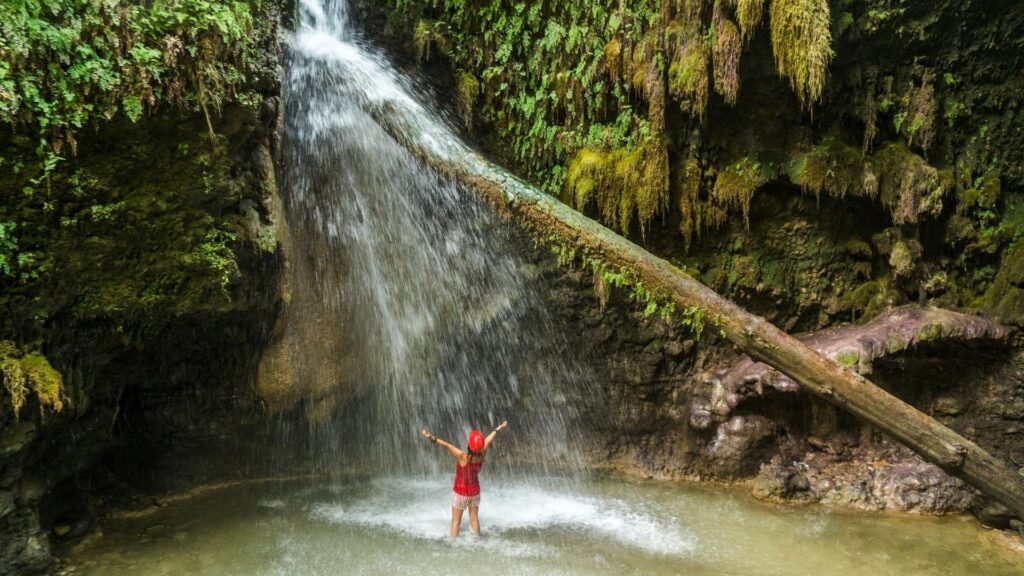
443 327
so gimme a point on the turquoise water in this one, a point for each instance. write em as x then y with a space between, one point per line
608 526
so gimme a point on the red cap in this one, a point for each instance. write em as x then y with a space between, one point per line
476 441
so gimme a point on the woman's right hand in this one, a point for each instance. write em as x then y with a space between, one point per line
427 435
501 426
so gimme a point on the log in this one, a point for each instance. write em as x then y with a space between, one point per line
556 222
734 377
856 347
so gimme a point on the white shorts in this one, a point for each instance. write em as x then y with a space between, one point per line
460 502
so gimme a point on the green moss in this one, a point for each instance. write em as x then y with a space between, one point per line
909 186
13 376
931 332
857 248
983 193
688 77
44 381
848 359
428 38
868 300
743 271
901 260
832 167
696 214
918 108
895 344
469 93
625 184
725 56
748 15
736 184
1004 298
32 371
802 44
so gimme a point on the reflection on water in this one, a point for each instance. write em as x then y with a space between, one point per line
608 527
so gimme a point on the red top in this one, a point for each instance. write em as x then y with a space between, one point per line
467 479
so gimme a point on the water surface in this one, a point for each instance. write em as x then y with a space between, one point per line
611 526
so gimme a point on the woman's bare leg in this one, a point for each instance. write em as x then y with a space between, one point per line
457 522
474 519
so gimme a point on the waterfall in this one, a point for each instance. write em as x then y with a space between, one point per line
407 289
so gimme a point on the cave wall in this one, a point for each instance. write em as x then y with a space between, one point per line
146 276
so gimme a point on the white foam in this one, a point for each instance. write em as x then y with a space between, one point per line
420 509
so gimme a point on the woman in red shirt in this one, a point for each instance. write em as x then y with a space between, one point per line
466 492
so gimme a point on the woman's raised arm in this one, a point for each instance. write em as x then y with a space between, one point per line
453 450
490 437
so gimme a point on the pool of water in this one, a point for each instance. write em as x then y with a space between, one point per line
608 526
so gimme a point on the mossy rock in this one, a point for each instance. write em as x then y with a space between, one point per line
44 380
848 358
868 300
22 373
1004 298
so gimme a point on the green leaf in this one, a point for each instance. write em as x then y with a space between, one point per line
132 107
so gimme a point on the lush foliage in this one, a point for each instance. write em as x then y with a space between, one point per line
104 217
687 110
66 63
144 228
569 83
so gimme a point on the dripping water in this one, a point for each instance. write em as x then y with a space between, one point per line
442 325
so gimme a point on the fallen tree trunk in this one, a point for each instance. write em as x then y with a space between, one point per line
555 222
856 347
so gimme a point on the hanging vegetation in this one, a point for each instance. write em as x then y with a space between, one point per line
65 63
735 185
726 56
580 96
22 373
565 84
749 14
802 44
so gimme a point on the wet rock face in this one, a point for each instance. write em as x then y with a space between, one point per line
182 379
739 442
879 476
677 408
23 547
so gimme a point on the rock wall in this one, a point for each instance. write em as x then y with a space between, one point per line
156 292
661 384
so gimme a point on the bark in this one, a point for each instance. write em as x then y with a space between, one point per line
553 220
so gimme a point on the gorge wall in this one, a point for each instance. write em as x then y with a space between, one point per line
145 267
138 250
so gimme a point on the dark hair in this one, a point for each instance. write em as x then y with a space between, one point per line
474 457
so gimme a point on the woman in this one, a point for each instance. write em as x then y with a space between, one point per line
466 492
